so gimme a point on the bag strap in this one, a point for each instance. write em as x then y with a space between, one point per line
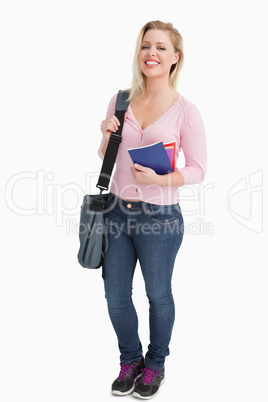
114 142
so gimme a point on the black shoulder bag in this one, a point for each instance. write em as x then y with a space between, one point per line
92 233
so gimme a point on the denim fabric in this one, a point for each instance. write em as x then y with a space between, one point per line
151 234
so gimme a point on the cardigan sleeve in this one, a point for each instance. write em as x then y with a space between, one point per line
193 144
110 112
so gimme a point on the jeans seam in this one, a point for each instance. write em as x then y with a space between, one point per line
130 285
131 304
181 225
164 223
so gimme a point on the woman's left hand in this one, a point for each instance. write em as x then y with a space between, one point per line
143 175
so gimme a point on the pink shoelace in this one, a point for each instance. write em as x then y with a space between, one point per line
149 375
125 369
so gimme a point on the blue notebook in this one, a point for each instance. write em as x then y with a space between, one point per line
153 156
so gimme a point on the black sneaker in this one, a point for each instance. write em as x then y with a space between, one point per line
126 381
149 383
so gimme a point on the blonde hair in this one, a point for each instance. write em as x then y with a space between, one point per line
138 81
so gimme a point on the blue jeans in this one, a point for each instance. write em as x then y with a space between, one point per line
153 234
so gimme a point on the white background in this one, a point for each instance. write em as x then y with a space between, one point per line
61 62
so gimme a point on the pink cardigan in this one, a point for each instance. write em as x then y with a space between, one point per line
182 123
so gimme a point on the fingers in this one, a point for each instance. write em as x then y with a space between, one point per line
141 168
110 125
116 120
115 123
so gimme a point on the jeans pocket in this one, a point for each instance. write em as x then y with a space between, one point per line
163 214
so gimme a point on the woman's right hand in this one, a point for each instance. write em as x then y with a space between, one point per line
109 125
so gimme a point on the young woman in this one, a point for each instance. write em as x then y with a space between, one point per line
145 221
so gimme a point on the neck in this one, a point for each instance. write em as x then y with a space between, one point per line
157 88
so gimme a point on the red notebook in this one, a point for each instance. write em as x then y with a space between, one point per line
170 148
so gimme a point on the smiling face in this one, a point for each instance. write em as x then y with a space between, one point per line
157 54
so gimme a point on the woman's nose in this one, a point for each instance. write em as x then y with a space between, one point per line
152 52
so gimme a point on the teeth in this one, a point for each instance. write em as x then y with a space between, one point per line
151 63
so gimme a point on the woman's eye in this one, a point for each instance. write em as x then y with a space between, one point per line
147 47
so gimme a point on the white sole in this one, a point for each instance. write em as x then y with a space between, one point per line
118 393
136 395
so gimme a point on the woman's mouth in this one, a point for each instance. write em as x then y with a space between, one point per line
151 63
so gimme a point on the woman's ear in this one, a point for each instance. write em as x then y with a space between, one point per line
177 56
